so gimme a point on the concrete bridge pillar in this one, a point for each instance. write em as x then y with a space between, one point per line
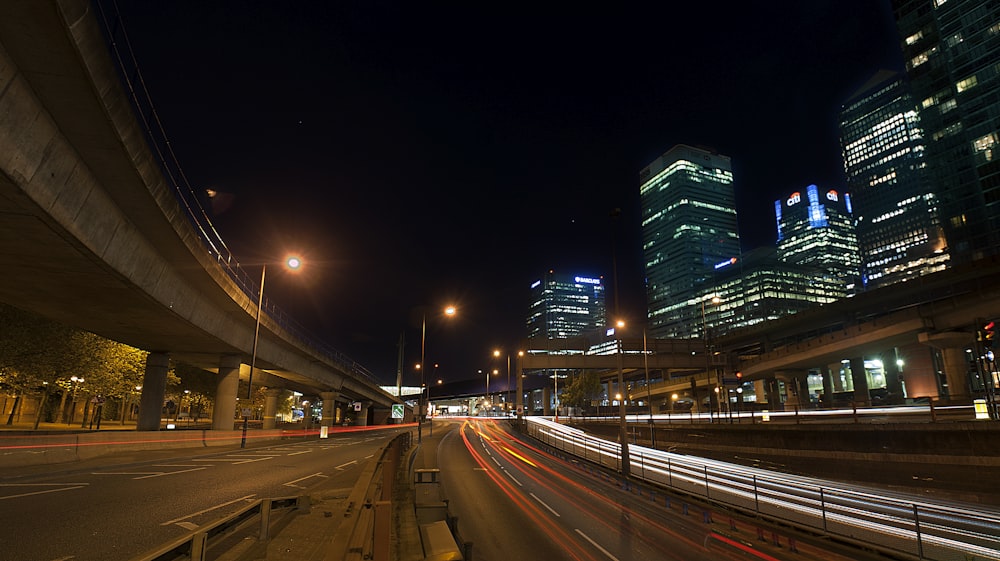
828 384
773 393
952 345
362 419
329 408
859 377
546 401
271 407
893 378
224 412
796 386
154 388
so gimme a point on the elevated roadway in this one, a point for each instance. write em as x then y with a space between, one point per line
99 230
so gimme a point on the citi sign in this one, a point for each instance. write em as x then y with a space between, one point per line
796 197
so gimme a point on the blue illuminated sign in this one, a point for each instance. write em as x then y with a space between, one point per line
586 280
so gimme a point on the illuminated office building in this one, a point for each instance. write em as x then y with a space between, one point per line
816 229
897 222
951 49
564 305
689 234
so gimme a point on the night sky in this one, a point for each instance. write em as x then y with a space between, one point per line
419 154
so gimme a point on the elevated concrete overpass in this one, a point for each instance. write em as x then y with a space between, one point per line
98 229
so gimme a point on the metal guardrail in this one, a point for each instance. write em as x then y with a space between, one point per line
195 546
892 523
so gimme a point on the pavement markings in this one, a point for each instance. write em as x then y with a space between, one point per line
209 509
541 502
341 466
597 545
293 483
62 487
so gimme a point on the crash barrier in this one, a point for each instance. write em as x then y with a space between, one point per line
365 532
195 546
892 523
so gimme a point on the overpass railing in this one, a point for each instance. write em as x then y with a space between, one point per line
888 522
194 206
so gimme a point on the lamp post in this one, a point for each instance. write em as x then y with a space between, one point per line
72 403
649 392
448 312
496 354
708 350
292 263
622 431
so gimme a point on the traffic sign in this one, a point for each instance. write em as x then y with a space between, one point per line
397 410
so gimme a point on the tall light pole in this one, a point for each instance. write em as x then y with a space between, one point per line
708 350
293 263
448 311
622 430
649 392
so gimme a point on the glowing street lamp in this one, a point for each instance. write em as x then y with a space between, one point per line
449 311
292 263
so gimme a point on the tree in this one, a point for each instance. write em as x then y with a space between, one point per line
582 390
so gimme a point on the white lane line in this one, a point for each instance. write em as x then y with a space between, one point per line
541 502
188 525
342 466
299 453
175 465
595 544
512 478
210 509
293 483
42 492
161 474
252 461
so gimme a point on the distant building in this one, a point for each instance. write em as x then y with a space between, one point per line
689 234
952 54
897 220
565 305
816 229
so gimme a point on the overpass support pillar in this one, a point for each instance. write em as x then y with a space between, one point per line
546 401
773 393
952 345
271 407
859 377
154 388
796 386
828 384
224 412
329 408
362 420
893 379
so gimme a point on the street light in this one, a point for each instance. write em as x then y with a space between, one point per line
649 392
708 350
293 263
449 311
72 404
622 431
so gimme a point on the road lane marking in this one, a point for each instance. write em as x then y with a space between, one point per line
597 545
77 486
302 452
341 466
209 509
293 482
188 525
161 474
541 502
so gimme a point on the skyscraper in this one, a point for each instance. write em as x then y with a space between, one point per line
564 305
816 228
689 232
897 223
952 53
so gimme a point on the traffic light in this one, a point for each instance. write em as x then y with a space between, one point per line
987 335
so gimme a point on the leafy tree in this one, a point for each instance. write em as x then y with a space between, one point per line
582 390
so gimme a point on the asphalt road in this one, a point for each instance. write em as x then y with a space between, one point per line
119 508
514 500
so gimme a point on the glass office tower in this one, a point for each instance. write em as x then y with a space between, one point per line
952 53
689 233
816 228
898 227
565 305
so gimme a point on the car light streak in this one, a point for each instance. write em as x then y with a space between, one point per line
530 509
741 546
547 477
889 522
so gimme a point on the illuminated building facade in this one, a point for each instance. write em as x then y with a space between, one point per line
564 305
689 233
897 223
816 229
951 49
